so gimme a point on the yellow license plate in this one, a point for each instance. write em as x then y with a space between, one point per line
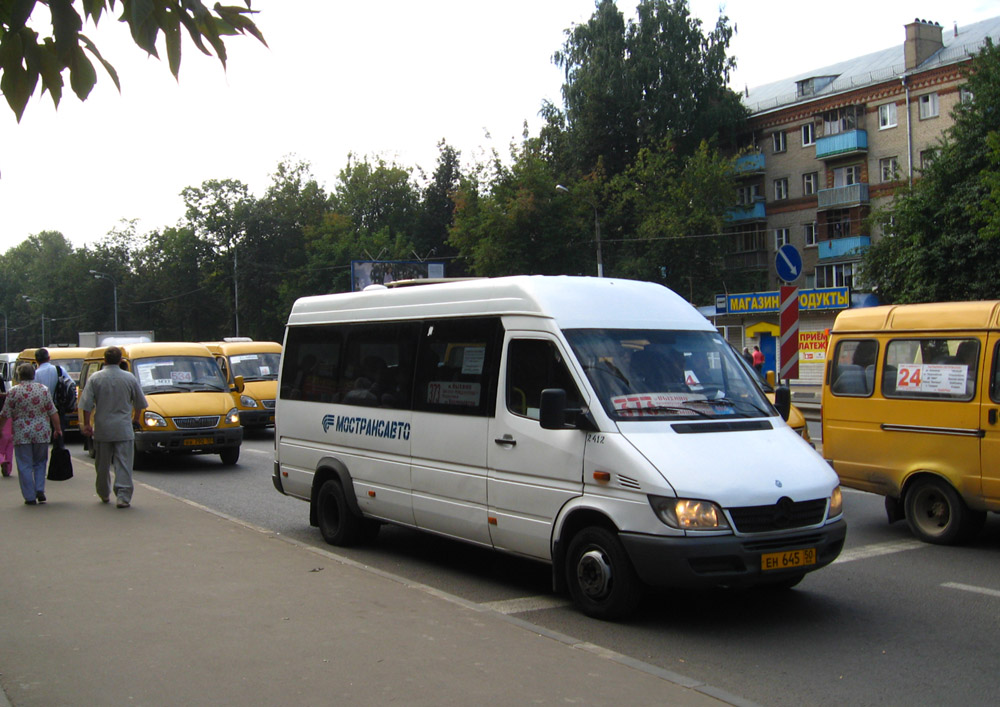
197 441
788 560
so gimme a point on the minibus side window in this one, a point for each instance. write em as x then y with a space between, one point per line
931 369
852 370
378 365
995 375
532 366
457 366
311 363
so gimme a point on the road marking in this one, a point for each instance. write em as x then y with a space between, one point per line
867 551
970 588
516 606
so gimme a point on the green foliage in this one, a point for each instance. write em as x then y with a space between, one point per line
26 58
943 240
631 85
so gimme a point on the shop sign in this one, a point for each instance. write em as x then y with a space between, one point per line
761 302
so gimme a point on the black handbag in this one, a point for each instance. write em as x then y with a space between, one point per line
60 464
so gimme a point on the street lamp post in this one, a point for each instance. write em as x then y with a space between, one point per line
114 289
42 305
597 232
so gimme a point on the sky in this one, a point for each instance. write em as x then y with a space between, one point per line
384 79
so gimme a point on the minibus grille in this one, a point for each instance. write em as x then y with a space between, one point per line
196 423
782 515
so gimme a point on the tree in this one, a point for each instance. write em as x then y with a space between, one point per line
437 206
631 85
26 58
941 238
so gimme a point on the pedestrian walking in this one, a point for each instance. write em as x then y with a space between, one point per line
50 375
758 361
35 423
747 356
6 436
114 397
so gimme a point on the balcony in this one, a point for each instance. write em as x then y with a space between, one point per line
749 164
843 247
841 144
748 212
843 197
748 260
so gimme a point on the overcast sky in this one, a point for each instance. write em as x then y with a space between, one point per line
383 78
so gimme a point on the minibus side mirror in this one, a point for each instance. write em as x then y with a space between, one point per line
552 410
239 384
783 401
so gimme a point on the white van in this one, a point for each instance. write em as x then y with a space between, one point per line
600 425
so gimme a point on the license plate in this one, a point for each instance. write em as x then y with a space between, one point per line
788 560
198 441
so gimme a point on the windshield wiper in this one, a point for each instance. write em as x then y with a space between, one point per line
666 408
162 389
736 403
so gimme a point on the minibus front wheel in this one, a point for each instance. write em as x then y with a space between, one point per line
937 514
600 575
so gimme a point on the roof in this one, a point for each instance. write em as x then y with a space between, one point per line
873 68
930 316
573 302
155 348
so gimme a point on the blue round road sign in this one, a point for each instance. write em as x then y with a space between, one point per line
788 263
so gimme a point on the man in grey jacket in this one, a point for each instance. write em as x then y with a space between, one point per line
115 398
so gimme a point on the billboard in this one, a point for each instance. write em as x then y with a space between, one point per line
381 272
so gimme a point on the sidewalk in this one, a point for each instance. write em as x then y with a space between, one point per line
166 603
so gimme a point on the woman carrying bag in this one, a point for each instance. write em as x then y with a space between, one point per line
36 423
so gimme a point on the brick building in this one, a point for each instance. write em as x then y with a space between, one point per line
828 147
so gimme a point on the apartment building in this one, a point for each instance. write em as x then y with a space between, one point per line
828 147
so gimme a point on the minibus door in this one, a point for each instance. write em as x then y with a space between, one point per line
990 421
532 472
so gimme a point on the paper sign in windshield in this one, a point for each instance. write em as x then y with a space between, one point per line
931 378
648 404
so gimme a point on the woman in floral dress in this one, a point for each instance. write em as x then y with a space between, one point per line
35 422
6 437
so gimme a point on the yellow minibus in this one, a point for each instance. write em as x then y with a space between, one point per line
256 363
910 405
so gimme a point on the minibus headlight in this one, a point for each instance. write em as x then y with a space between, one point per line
233 417
152 419
836 503
248 402
688 514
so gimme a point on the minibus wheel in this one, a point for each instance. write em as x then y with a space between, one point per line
230 455
336 523
937 514
600 575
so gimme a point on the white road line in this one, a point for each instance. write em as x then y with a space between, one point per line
867 551
516 606
970 588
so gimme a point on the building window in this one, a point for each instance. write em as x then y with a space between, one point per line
810 182
965 96
810 234
778 140
838 224
926 157
748 194
887 116
780 189
808 134
888 167
780 237
928 106
846 176
840 275
840 120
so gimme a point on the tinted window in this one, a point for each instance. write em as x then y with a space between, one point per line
457 366
311 364
532 366
933 369
852 369
378 365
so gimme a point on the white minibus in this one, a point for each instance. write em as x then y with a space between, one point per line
600 425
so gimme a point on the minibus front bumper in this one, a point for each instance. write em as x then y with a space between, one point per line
212 441
257 418
732 561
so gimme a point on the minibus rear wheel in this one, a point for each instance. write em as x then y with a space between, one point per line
600 575
336 522
937 514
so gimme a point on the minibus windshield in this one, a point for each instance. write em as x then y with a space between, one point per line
178 374
653 374
255 366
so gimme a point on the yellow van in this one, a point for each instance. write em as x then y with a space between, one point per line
910 411
256 362
190 409
69 358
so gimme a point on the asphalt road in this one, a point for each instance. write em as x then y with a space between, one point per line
893 622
